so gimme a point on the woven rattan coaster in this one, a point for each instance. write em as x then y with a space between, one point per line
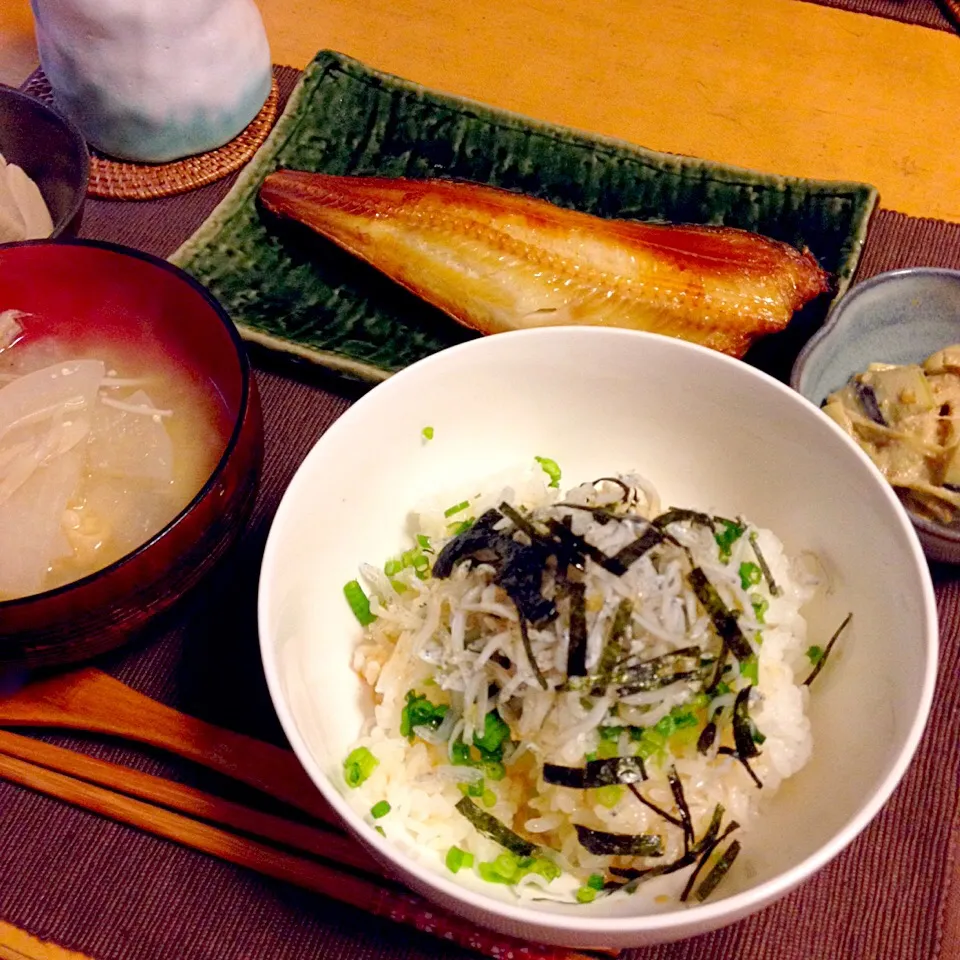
122 180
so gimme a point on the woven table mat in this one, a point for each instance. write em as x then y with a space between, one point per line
938 14
114 893
124 180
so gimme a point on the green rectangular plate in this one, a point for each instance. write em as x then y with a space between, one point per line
300 295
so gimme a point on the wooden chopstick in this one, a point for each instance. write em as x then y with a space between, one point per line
360 891
196 803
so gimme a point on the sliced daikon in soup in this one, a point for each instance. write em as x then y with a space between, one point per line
130 440
31 531
100 448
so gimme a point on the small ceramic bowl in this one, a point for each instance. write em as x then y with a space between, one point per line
78 290
52 152
710 433
898 317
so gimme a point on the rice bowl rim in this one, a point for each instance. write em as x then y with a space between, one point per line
701 916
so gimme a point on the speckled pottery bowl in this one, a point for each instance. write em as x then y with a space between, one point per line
898 317
153 82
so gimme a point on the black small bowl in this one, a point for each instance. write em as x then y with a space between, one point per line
52 152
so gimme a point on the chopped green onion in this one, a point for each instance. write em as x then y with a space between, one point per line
380 809
495 732
545 868
359 603
750 670
455 529
815 654
476 789
427 433
586 895
488 798
727 537
551 469
488 872
379 830
420 562
607 750
596 881
358 766
750 574
456 508
609 796
760 606
611 734
494 770
420 712
423 542
458 859
460 755
392 567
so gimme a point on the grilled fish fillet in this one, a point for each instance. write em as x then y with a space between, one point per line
495 260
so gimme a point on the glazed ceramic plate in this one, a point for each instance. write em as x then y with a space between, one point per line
297 294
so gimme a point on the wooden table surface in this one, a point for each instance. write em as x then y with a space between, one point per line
781 85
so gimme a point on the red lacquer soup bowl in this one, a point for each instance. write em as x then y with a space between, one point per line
81 293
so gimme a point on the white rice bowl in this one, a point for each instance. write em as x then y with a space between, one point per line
710 434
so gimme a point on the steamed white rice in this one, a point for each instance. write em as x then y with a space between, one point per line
457 642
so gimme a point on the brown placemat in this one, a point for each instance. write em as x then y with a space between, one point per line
114 179
938 14
117 894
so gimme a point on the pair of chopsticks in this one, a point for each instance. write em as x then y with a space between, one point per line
196 819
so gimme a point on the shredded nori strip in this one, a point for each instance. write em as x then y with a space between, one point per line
706 853
709 840
742 727
614 645
868 400
560 776
521 523
627 490
818 666
719 666
658 672
528 649
724 622
597 773
600 514
490 826
632 552
652 674
775 590
707 736
676 788
713 829
669 817
519 566
577 649
578 548
603 844
730 752
479 538
719 871
634 875
678 515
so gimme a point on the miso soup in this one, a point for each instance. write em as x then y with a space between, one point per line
100 447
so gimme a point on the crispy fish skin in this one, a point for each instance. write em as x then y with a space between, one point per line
496 260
